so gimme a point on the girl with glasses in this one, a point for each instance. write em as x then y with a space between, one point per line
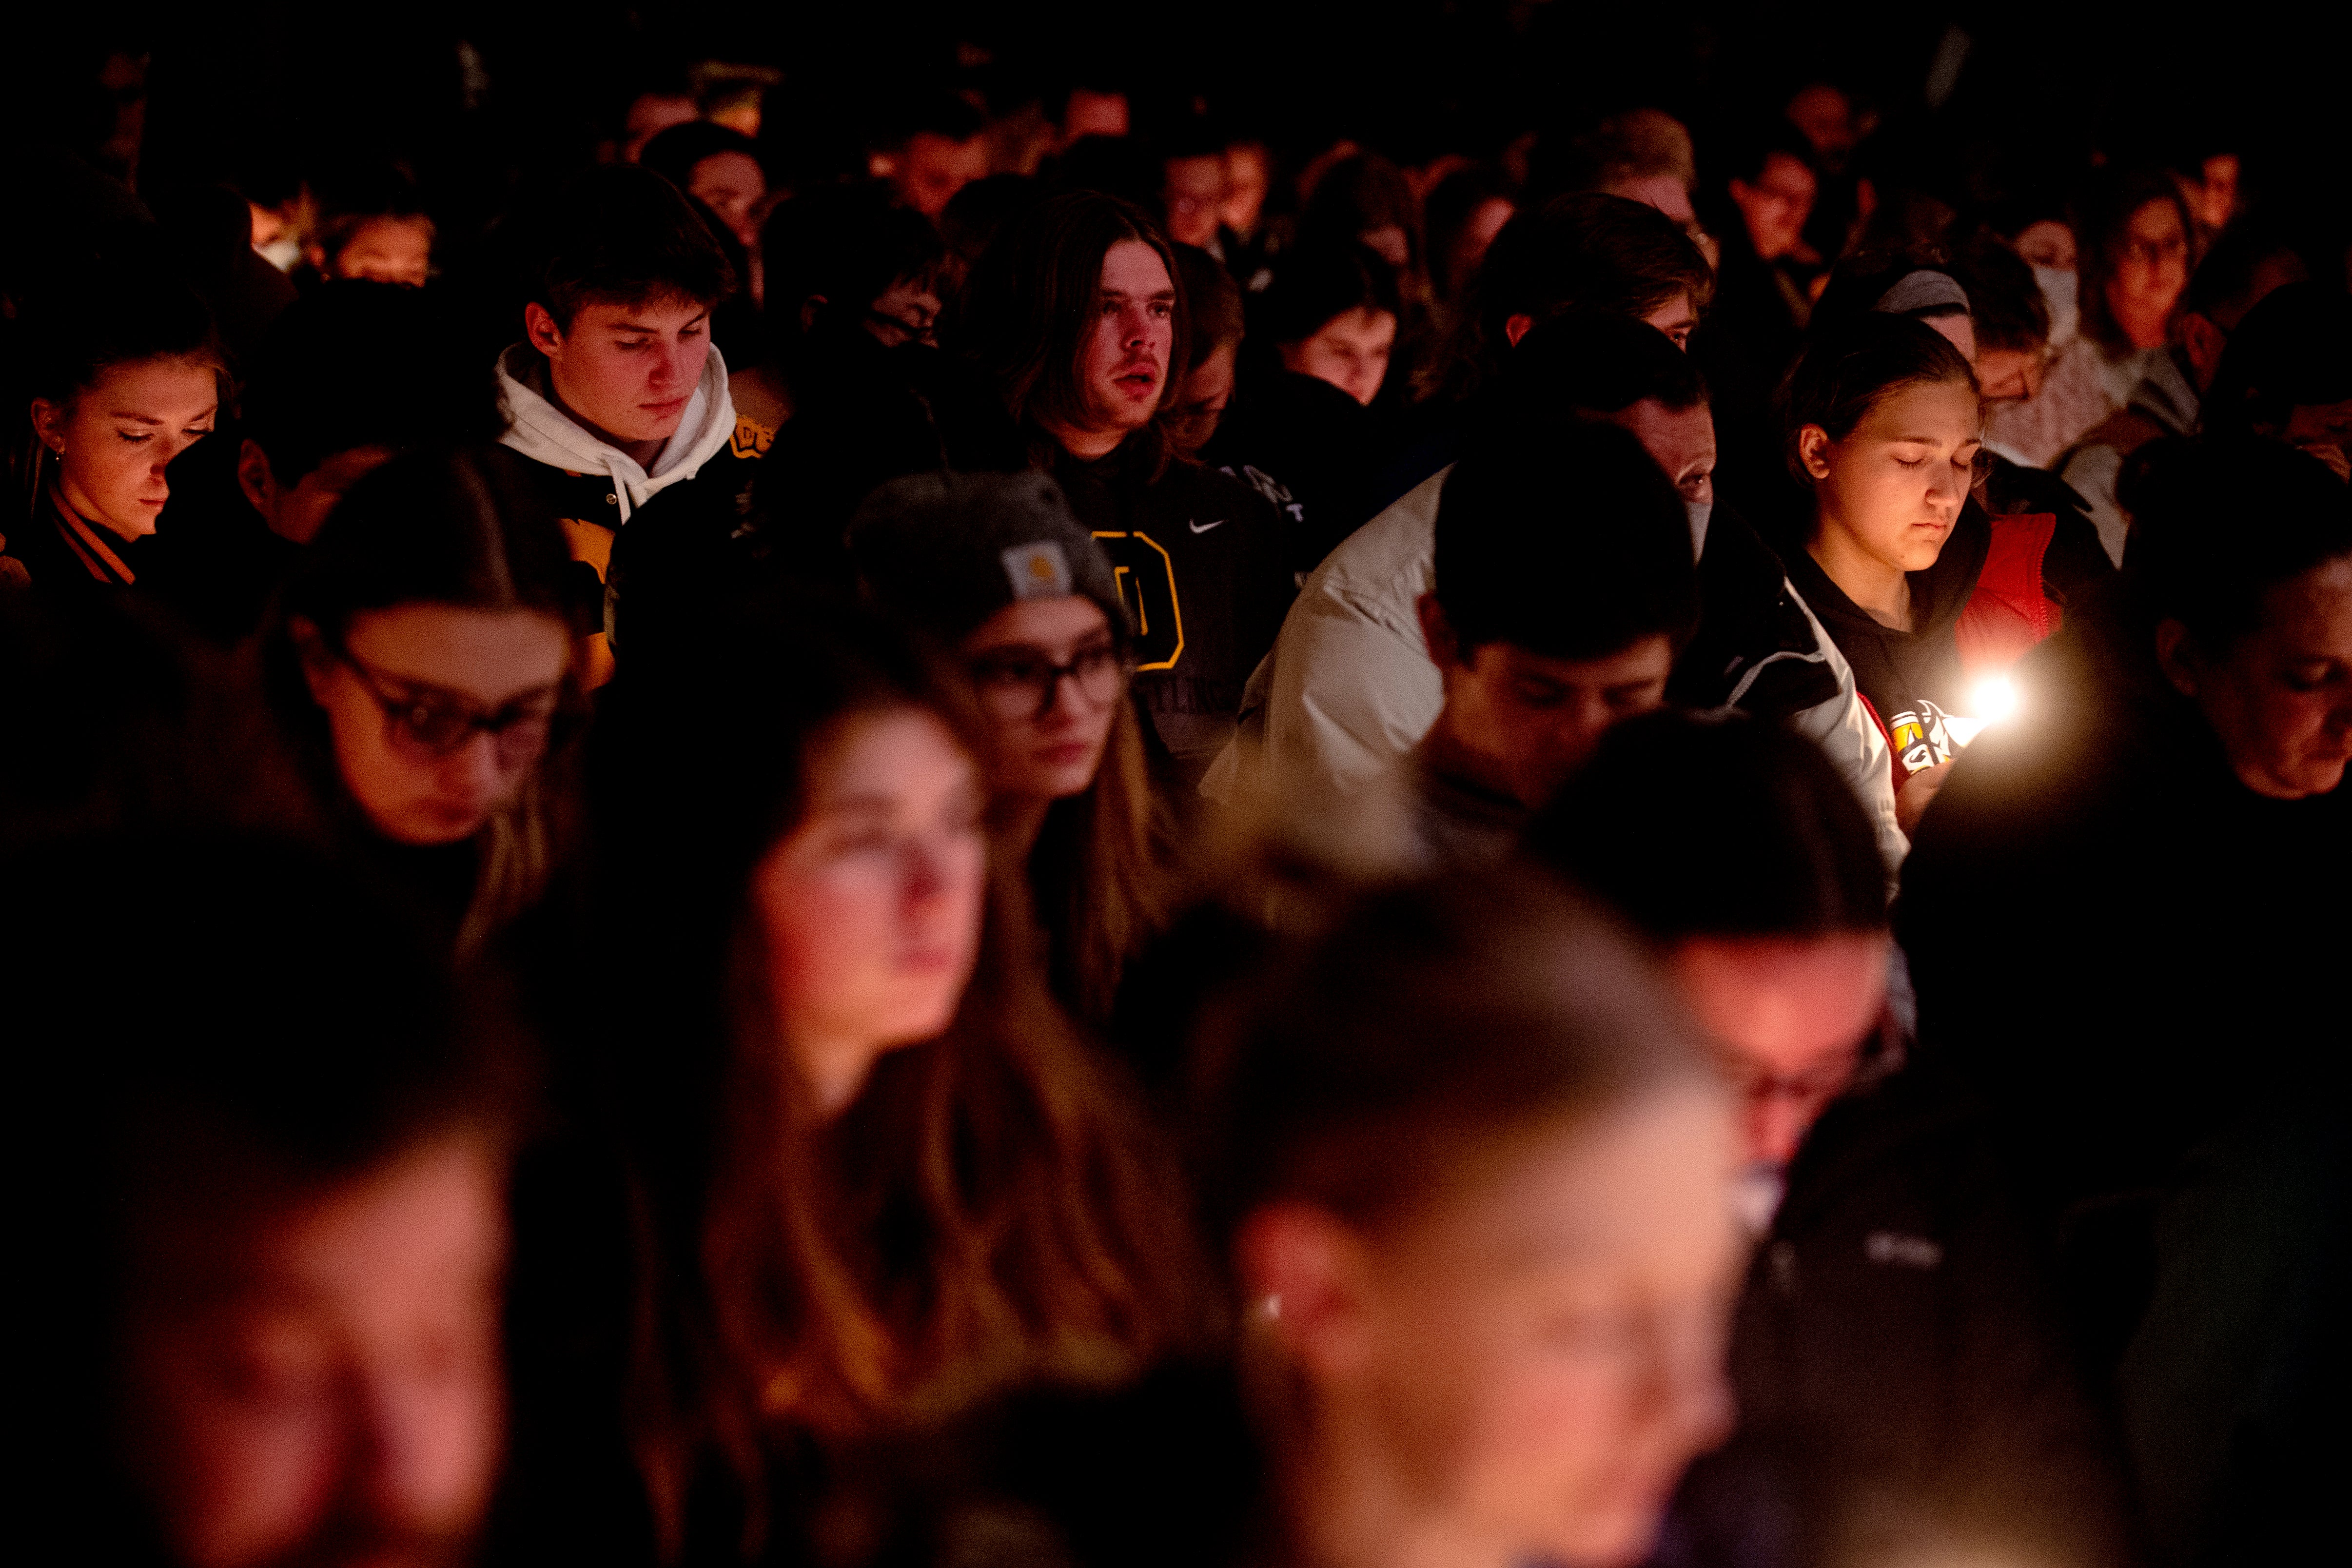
997 568
422 659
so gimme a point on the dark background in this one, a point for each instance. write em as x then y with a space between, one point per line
255 94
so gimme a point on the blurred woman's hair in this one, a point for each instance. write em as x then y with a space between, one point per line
1712 825
1362 1070
466 529
987 1209
1027 313
1855 365
1102 868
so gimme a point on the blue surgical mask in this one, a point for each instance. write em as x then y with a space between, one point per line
1699 511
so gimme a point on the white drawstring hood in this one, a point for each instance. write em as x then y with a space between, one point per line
544 433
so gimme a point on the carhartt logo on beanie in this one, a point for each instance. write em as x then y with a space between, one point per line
1038 571
949 550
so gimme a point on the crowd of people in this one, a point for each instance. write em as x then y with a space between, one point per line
1112 841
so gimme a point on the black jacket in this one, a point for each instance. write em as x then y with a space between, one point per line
1754 646
1897 1345
1199 559
688 542
1166 1473
2119 945
1751 335
865 415
72 569
1310 439
1911 679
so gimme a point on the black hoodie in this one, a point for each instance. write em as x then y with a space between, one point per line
1199 556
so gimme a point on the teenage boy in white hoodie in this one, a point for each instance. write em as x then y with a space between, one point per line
617 392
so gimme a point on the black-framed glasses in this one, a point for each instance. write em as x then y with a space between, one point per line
1015 684
434 724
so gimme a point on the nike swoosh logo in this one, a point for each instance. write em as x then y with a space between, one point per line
1204 527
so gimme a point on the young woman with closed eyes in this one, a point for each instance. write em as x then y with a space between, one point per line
1883 424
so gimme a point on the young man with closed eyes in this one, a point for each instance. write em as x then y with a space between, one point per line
617 392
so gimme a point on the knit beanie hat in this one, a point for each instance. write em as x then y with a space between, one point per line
948 550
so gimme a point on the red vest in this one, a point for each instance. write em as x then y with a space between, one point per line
2008 612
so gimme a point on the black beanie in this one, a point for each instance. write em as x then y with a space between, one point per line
948 550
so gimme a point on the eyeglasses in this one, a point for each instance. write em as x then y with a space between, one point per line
430 727
1022 683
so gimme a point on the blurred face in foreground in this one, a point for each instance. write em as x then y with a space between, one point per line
1518 1369
871 904
1790 1015
2280 699
317 1380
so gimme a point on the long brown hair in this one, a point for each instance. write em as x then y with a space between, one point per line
1027 313
987 1208
1103 871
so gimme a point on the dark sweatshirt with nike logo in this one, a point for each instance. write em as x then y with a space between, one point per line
1200 566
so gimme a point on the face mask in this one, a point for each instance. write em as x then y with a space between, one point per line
1756 1194
2058 285
1699 511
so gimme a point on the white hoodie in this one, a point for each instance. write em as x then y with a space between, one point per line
544 432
